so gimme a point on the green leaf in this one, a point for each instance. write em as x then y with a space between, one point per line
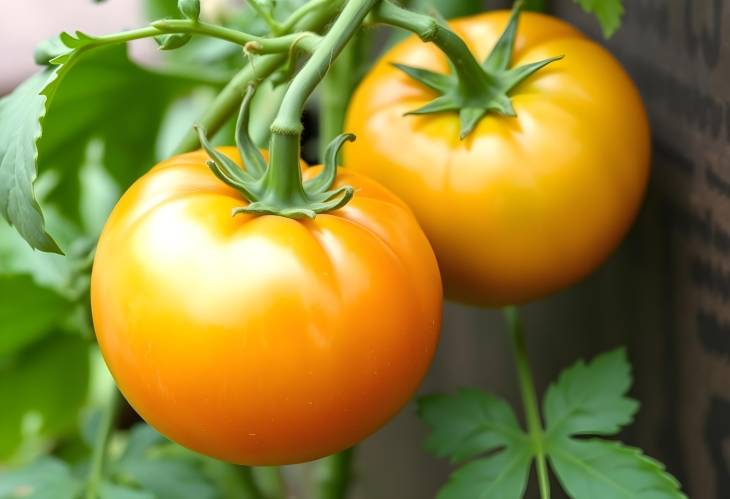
503 475
595 469
591 398
471 423
122 111
468 423
27 312
163 476
42 391
608 13
20 113
46 124
47 478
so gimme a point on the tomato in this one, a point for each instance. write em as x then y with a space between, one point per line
525 205
263 340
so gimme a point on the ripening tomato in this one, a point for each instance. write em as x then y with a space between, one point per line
524 205
263 340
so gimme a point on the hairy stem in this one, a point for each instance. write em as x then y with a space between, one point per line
99 452
529 398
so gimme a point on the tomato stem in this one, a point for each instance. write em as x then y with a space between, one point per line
313 18
267 44
473 90
529 398
337 87
288 120
101 442
470 73
283 179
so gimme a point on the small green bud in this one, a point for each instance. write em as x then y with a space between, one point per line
173 40
190 9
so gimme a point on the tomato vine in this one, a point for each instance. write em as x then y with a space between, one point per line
469 427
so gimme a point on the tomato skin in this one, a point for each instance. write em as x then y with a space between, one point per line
523 206
262 340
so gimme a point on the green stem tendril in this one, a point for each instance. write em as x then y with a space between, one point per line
261 44
529 398
471 89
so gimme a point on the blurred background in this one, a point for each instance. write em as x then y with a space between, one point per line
664 294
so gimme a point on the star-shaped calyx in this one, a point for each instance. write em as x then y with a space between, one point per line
478 89
274 189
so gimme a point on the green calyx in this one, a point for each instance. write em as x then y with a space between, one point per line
478 89
277 189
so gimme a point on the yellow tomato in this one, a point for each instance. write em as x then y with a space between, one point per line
525 205
260 339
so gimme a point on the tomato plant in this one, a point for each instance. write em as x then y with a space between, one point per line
257 311
538 194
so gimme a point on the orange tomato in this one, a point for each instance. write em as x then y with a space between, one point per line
523 206
263 340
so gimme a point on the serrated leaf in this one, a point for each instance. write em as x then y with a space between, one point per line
47 122
122 93
503 475
468 423
46 478
591 398
20 115
27 312
595 469
608 13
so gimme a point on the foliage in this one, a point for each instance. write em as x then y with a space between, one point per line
588 399
608 13
79 132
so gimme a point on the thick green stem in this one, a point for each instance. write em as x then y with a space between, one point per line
335 475
99 452
529 398
470 72
288 121
229 100
286 130
337 88
284 184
